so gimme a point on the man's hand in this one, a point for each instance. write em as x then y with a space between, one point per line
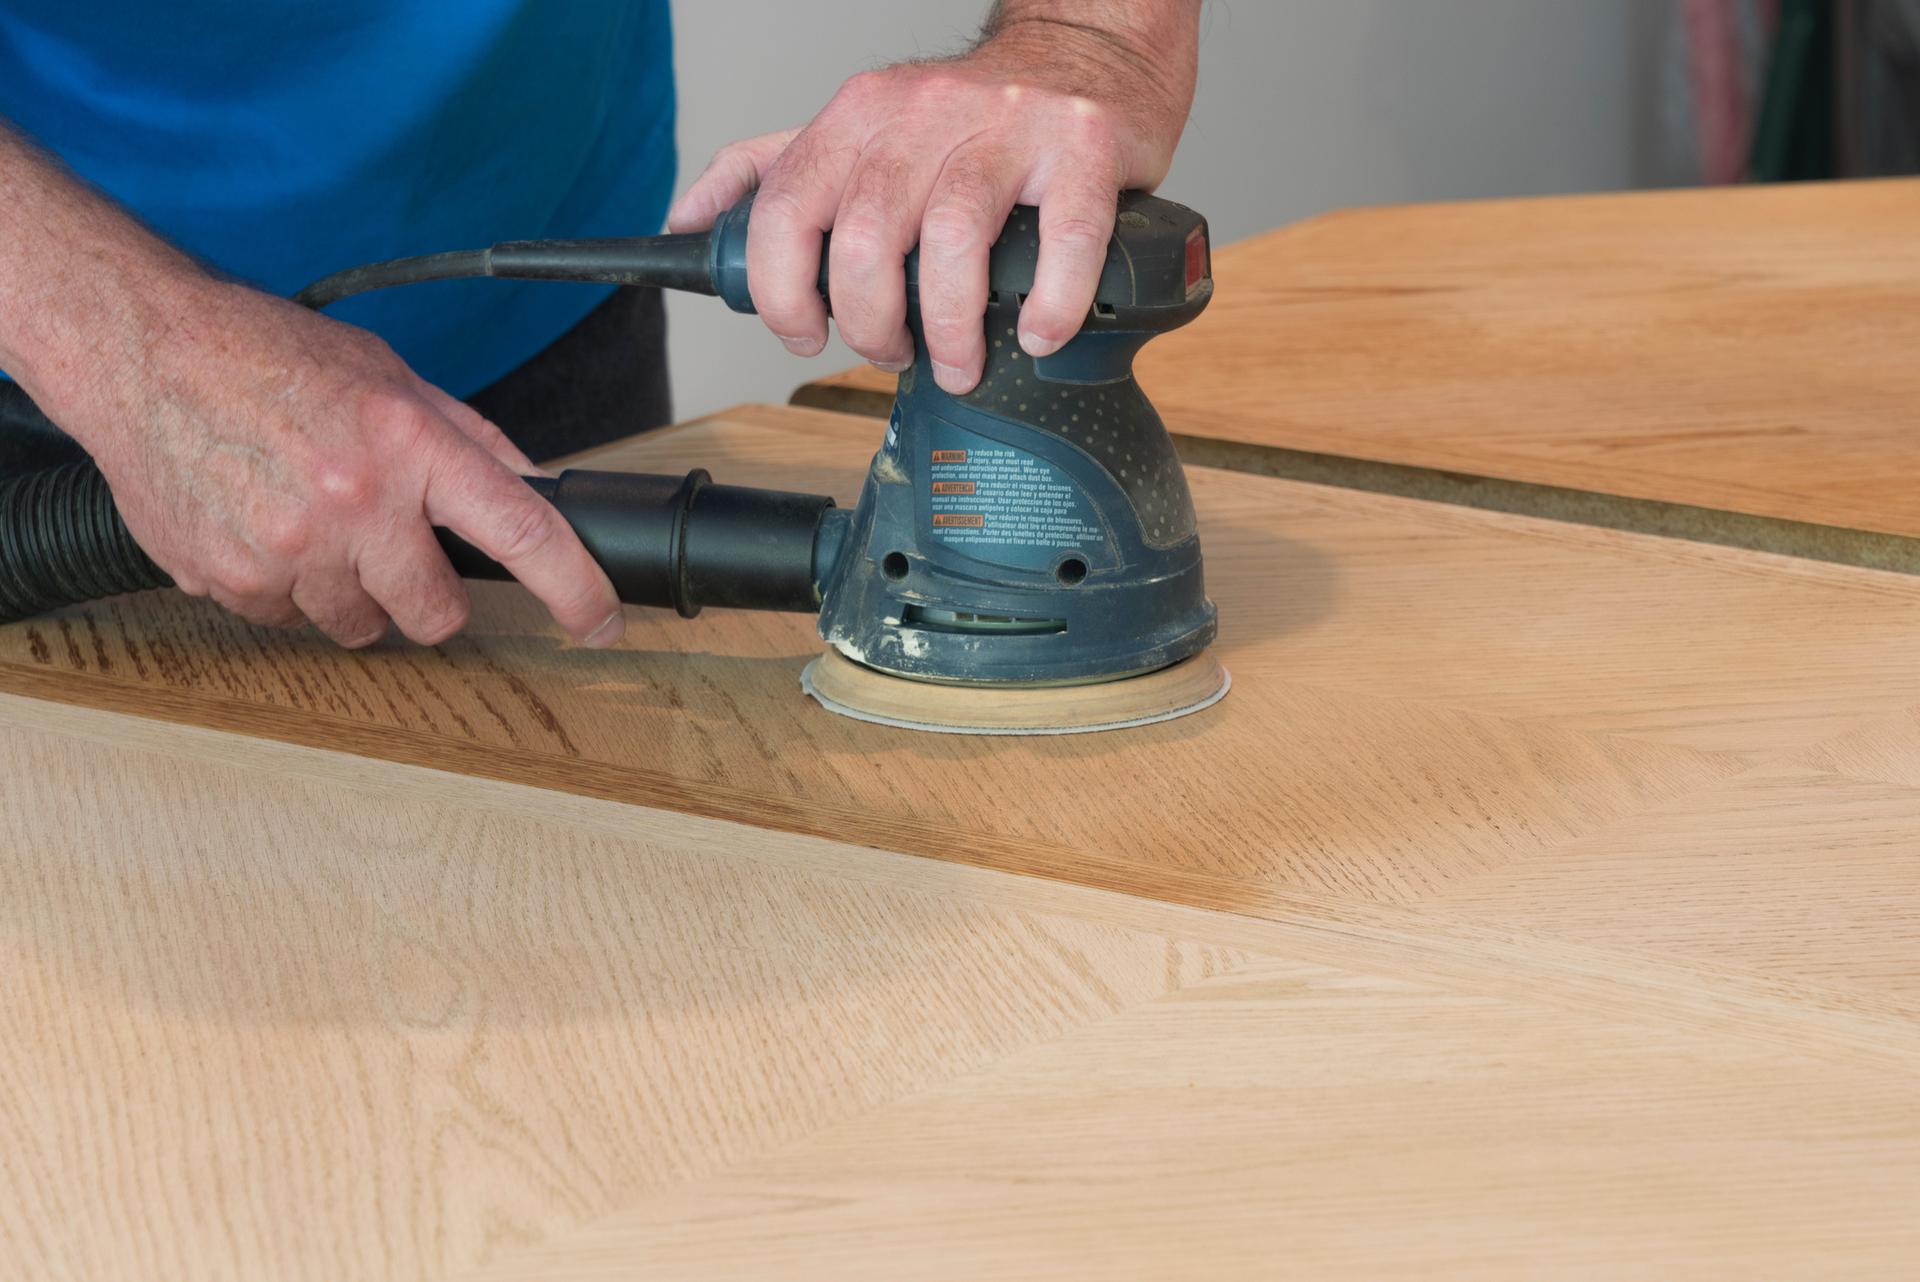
289 466
1064 104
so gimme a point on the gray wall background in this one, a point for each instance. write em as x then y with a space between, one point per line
1303 106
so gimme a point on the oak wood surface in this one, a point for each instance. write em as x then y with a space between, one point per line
1746 350
1428 703
272 1014
1542 900
277 1012
1287 1120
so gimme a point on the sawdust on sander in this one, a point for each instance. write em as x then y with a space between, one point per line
856 691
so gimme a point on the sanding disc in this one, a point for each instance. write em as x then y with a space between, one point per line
856 691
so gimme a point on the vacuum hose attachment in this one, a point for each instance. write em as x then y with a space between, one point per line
680 542
62 542
683 542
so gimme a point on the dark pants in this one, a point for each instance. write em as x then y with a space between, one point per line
601 380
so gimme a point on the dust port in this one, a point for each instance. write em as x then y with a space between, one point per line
894 566
1070 571
969 622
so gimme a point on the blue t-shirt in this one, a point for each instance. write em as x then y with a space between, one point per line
280 140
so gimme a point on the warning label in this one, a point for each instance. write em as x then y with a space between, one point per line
1004 504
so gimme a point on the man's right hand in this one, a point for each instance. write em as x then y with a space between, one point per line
292 468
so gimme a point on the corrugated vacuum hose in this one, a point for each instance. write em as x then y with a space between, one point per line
63 542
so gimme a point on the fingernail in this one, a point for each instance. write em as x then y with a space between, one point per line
607 633
802 346
892 367
952 378
1034 345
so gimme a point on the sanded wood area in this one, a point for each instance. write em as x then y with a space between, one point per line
1431 705
1748 351
276 1012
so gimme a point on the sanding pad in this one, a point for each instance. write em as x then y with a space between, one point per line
856 691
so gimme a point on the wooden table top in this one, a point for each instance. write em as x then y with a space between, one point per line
1747 350
1540 900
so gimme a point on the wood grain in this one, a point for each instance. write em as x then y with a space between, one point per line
1426 699
1299 1121
276 1012
263 1020
1539 903
1745 350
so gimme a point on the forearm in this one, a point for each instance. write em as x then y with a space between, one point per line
1155 41
81 282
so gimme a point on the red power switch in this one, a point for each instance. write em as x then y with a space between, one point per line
1197 264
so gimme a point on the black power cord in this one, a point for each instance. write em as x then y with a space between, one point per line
667 262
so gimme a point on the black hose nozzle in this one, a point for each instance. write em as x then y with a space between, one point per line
680 542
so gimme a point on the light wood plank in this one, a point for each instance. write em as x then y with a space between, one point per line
1424 697
1745 350
1299 1121
260 1022
1765 873
278 1012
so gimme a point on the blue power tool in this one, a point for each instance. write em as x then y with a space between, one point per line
1037 531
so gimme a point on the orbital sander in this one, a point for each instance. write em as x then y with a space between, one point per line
1023 559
